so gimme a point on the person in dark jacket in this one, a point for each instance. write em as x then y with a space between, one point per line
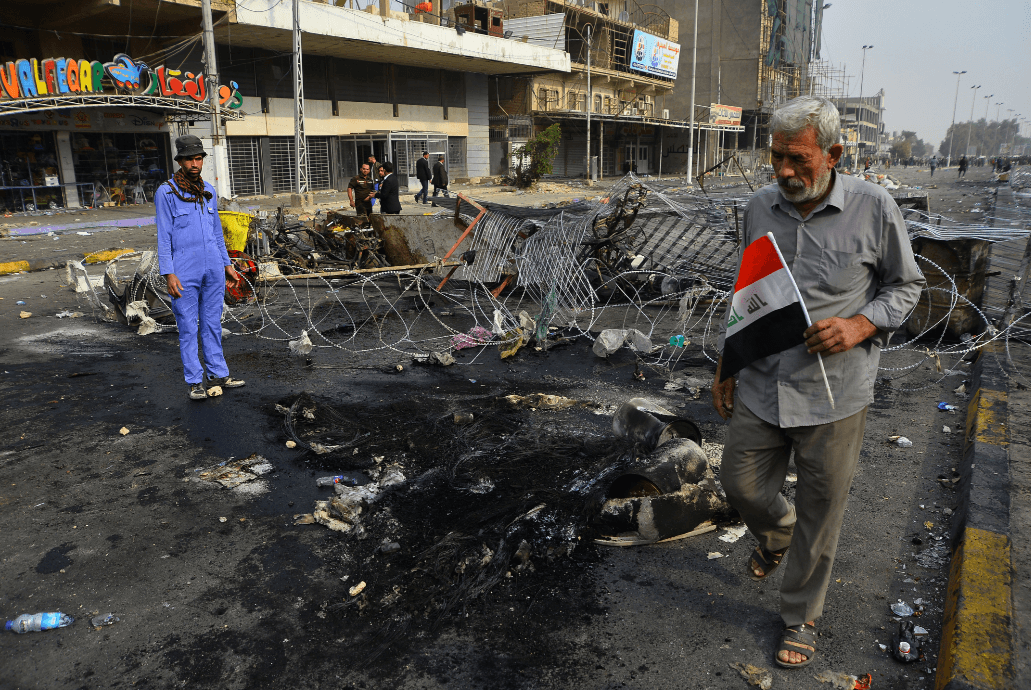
440 178
422 173
962 166
387 194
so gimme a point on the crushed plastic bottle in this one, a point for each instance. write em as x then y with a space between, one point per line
903 442
902 609
38 622
336 479
104 619
945 406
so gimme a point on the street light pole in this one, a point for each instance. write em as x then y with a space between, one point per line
952 129
998 109
694 68
859 110
590 104
971 127
218 151
1016 121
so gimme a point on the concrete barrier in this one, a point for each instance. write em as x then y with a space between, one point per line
977 646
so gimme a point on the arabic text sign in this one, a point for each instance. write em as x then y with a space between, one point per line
654 55
65 76
724 115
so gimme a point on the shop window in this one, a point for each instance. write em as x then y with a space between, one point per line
129 166
29 171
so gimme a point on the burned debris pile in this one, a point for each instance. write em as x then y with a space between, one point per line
445 503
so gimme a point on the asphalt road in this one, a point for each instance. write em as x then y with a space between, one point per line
94 521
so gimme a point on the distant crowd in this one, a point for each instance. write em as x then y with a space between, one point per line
997 163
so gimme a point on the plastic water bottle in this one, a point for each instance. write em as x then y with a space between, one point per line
336 479
38 622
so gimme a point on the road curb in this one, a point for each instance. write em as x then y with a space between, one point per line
977 638
30 265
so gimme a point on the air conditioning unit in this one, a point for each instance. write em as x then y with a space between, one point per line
665 114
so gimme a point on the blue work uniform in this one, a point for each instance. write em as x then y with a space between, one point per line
190 245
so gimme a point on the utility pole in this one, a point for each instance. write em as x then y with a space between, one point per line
1016 121
971 127
987 102
218 151
952 129
300 145
860 109
590 104
694 69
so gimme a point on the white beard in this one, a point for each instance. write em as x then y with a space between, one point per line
800 193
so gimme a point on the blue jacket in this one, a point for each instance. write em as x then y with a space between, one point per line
190 238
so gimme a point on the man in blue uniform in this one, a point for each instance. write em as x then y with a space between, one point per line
193 259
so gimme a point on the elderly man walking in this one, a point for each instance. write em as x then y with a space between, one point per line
845 243
193 259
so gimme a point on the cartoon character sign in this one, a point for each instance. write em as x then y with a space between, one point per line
126 73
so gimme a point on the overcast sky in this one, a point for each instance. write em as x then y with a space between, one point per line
917 46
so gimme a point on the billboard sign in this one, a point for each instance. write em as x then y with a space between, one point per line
654 55
724 115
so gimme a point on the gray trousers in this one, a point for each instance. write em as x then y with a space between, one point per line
755 463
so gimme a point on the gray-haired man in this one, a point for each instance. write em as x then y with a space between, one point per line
846 244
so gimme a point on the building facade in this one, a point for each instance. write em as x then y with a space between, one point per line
97 123
625 59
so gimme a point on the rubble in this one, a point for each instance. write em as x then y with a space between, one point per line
232 473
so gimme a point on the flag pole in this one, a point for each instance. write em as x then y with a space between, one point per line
808 321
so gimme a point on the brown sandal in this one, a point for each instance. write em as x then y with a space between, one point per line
766 561
800 639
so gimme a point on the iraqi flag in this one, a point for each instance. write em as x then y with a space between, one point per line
766 312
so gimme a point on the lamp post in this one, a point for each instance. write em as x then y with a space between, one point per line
998 108
952 129
590 104
859 110
694 68
987 102
1013 139
971 127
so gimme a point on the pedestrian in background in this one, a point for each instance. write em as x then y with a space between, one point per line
850 254
440 178
962 166
193 259
388 190
422 173
934 164
359 189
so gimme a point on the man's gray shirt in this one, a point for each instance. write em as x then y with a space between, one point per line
850 256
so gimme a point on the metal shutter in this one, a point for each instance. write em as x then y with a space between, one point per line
281 153
244 166
318 164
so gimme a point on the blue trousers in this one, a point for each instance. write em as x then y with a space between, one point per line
203 296
424 192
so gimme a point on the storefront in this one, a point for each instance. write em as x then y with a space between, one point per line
403 149
87 133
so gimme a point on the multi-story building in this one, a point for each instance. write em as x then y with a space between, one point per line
752 54
862 120
375 81
633 57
